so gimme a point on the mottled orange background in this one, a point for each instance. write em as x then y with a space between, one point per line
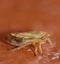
28 15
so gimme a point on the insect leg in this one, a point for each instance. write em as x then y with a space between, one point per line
40 48
35 50
50 42
19 47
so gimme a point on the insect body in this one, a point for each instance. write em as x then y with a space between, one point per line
29 38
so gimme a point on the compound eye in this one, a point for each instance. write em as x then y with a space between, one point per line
42 38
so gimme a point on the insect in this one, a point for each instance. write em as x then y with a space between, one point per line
29 38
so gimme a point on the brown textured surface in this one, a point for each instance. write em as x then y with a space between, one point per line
26 15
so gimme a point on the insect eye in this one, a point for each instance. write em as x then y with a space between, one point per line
29 38
42 38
